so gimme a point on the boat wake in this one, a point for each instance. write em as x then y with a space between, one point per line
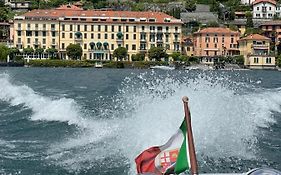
146 111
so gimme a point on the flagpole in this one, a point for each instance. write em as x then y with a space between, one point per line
191 148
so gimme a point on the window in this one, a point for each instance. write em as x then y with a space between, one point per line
222 38
142 28
63 35
135 28
85 46
36 33
256 60
99 28
176 29
112 28
85 27
70 27
92 36
19 33
112 46
105 28
28 40
44 33
78 27
63 27
70 35
53 26
105 36
258 8
269 8
268 60
98 35
207 45
127 46
85 35
28 33
62 45
216 46
119 28
134 47
135 36
127 36
112 36
92 28
53 34
127 28
44 41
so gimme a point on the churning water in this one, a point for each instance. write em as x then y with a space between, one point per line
88 121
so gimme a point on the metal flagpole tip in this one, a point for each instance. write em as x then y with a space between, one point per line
185 99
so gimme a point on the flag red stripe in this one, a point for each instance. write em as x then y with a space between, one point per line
145 161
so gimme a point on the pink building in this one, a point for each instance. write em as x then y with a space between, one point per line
216 41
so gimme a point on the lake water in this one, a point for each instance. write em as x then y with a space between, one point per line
96 121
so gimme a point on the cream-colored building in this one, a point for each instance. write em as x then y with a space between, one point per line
256 51
98 32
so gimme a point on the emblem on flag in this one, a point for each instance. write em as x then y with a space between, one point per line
168 158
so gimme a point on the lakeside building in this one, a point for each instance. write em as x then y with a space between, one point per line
18 5
265 9
256 51
272 29
215 41
99 33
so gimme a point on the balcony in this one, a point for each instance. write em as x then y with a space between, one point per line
54 43
36 43
142 49
142 40
260 46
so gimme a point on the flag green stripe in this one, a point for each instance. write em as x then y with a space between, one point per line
182 160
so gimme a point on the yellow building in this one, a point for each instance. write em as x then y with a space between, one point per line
98 32
256 51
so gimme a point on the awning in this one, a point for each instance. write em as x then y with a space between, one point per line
119 34
78 33
105 44
99 44
92 44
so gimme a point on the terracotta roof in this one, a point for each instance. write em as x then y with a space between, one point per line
269 1
274 22
255 37
72 11
217 30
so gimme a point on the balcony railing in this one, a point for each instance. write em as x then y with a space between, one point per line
36 43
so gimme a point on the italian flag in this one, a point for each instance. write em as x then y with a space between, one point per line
170 158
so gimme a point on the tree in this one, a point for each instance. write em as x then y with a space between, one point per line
28 50
249 22
239 60
157 53
4 51
74 51
279 61
13 52
183 58
120 53
52 53
138 57
39 50
175 56
190 5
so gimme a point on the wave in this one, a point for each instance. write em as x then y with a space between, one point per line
226 117
44 108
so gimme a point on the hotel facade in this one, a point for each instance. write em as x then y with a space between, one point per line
99 33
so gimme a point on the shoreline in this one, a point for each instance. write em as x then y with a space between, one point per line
123 65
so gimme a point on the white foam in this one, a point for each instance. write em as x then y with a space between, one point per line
44 108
